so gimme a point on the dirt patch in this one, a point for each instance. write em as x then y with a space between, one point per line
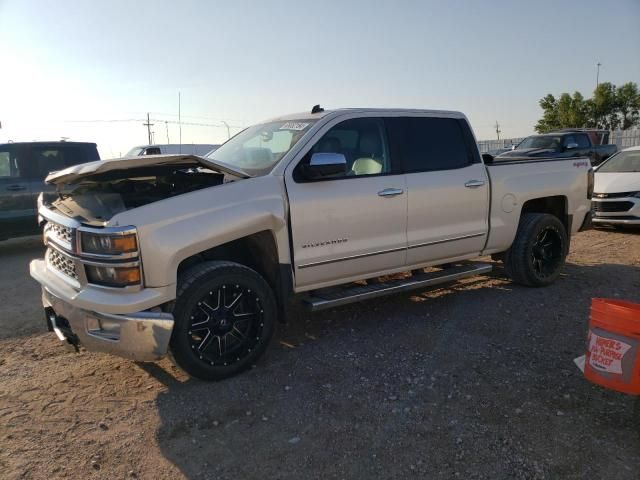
474 380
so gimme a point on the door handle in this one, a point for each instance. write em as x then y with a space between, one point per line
390 192
474 183
16 188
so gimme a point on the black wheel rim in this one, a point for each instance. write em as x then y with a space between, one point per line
547 252
226 325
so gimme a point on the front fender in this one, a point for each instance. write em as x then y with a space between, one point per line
174 229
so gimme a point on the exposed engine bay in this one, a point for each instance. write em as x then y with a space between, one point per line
96 198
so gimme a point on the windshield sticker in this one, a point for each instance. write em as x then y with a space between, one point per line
294 126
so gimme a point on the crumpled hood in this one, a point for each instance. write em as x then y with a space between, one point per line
529 152
616 182
77 172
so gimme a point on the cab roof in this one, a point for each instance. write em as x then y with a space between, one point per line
314 116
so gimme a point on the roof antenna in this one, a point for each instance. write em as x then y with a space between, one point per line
317 109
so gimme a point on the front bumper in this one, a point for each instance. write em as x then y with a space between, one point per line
105 320
141 336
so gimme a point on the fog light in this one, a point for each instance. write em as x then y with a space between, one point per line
113 276
103 328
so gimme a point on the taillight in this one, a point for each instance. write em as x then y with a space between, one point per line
590 180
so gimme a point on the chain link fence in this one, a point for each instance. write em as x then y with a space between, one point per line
502 144
622 138
625 138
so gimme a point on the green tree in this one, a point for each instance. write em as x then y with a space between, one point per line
549 120
573 110
628 105
604 112
610 107
565 112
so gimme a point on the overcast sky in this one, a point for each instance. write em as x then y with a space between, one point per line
66 64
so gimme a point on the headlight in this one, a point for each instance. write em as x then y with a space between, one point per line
108 244
113 276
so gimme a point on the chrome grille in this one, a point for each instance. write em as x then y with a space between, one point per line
62 263
63 235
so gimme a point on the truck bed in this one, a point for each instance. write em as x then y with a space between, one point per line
516 181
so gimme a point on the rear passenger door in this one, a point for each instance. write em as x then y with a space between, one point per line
17 211
584 145
447 185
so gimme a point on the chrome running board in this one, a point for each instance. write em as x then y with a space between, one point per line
334 297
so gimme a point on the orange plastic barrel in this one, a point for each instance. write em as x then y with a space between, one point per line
613 345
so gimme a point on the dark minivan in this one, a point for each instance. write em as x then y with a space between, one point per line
23 168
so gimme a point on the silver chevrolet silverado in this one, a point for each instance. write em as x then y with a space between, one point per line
200 257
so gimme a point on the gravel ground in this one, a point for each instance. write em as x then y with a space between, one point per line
474 380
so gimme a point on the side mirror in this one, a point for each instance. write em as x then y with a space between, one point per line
487 158
571 146
513 147
324 165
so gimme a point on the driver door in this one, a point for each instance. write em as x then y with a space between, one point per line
352 225
17 208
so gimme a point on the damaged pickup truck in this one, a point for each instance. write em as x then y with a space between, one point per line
200 257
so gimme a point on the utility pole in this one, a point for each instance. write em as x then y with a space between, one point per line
179 123
497 125
166 124
228 131
598 74
148 125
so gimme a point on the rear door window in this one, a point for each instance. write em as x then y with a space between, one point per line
429 144
47 159
51 158
568 140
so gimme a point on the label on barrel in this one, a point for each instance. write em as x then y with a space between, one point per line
606 354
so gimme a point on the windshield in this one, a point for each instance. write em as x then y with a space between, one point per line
541 141
623 162
257 149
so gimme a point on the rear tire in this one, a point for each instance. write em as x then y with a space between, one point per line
225 315
538 252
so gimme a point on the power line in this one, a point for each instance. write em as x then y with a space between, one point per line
107 120
173 122
197 124
214 119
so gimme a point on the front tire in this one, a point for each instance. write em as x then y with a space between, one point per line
538 252
225 314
